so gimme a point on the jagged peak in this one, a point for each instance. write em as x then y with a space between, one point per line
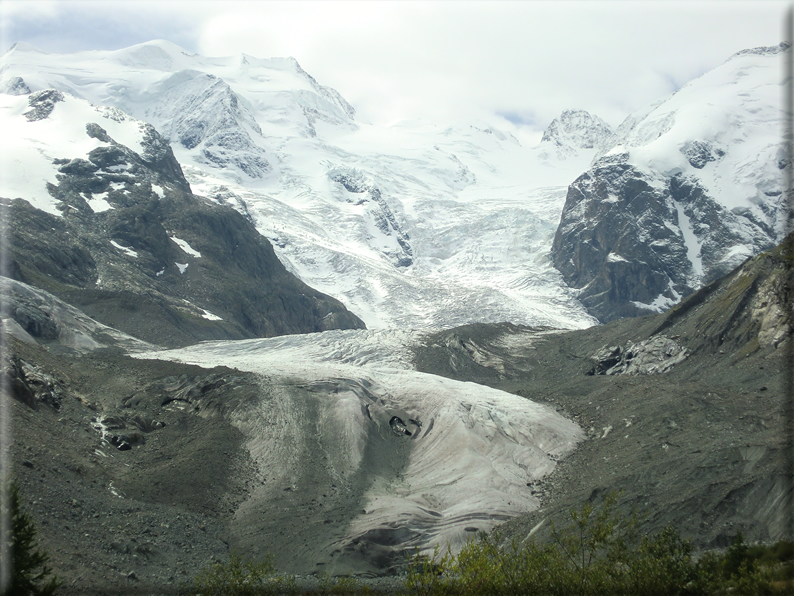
576 128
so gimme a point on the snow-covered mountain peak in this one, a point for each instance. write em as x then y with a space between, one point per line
281 96
157 54
701 169
22 47
723 128
417 224
573 131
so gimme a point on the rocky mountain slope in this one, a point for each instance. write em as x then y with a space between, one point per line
324 449
106 221
341 451
681 193
685 412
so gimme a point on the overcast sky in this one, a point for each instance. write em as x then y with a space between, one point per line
445 62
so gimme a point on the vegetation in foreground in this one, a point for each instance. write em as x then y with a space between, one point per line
599 552
26 565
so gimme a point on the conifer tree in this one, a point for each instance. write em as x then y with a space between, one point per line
28 566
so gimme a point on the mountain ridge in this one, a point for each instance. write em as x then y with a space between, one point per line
123 238
684 191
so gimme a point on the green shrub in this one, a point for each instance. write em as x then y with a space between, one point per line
239 578
340 585
598 552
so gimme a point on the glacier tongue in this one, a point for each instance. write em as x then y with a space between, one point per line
461 456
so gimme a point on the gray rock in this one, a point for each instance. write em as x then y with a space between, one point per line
699 153
651 356
93 130
15 86
43 103
619 241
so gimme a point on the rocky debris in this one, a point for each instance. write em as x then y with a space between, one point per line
398 427
158 510
697 445
42 104
29 384
652 356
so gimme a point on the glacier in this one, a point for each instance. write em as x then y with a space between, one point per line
465 464
415 227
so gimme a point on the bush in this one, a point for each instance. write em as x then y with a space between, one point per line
598 552
238 578
27 564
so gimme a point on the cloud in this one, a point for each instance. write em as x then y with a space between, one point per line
521 63
65 27
446 61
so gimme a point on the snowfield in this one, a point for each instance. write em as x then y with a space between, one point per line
411 226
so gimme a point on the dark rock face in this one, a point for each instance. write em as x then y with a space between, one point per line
121 266
42 104
30 384
622 239
613 244
35 321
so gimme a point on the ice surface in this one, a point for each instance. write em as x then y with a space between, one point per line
470 462
692 244
460 229
98 203
127 251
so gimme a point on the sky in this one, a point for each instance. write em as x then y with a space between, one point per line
515 63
